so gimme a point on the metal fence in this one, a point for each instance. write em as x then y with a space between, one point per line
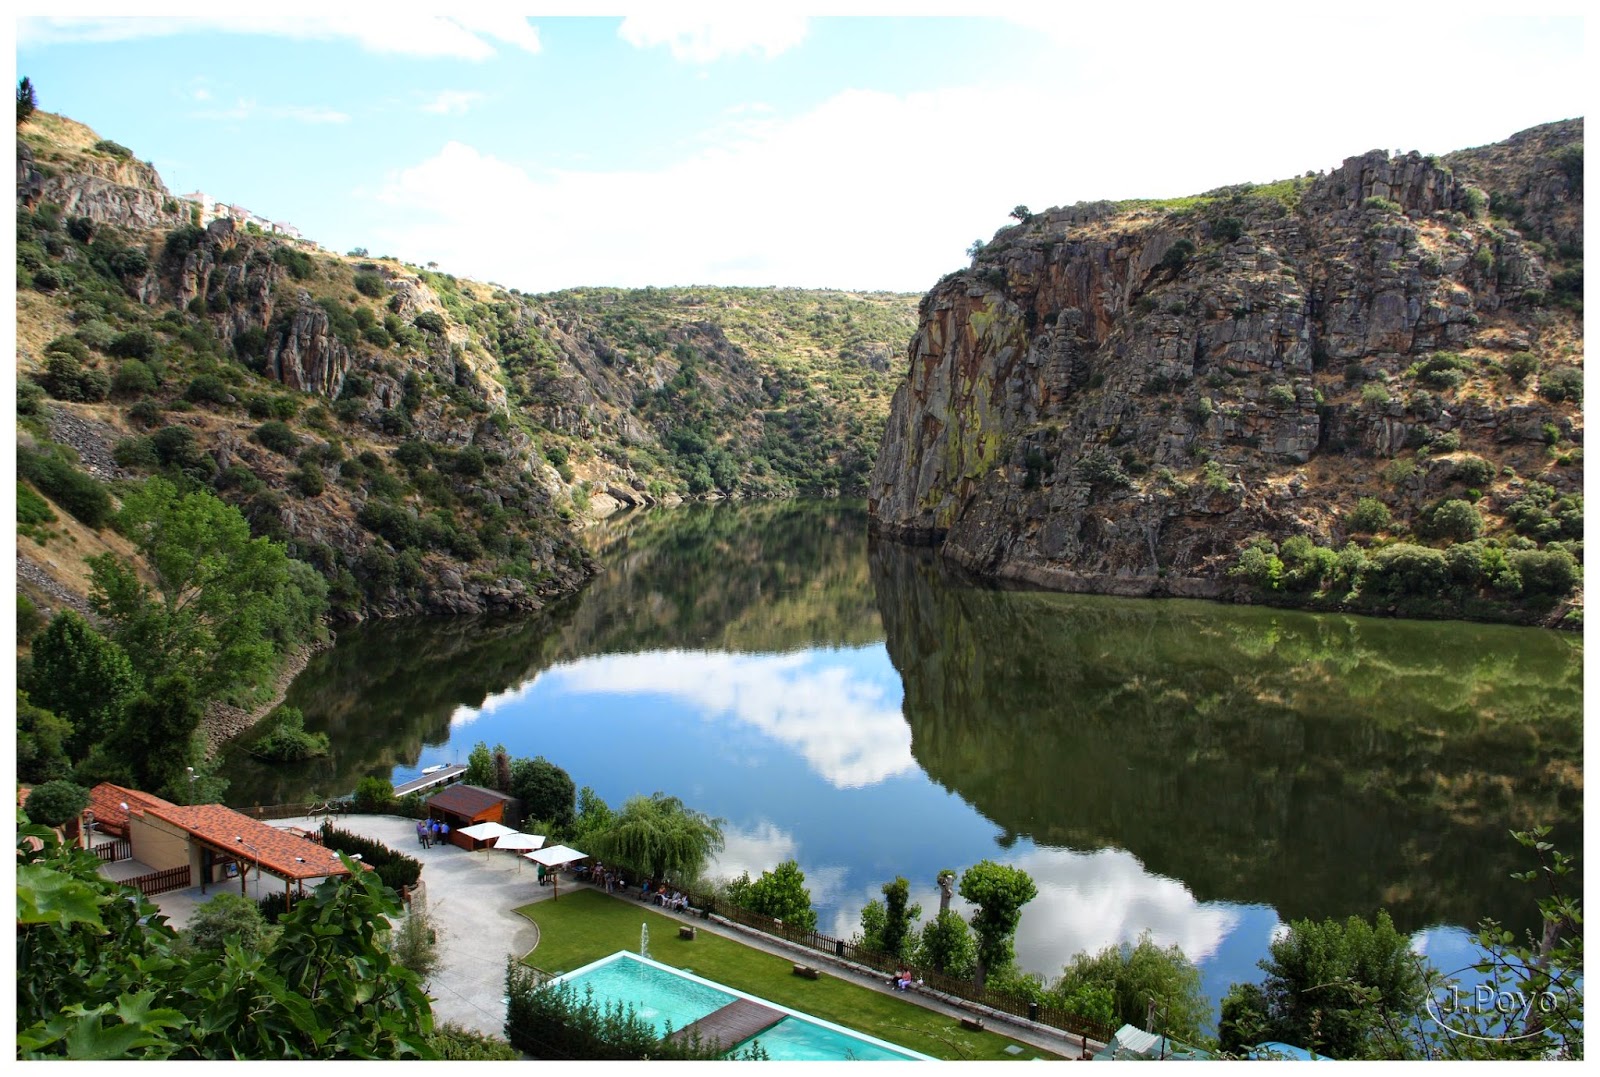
1017 1005
159 882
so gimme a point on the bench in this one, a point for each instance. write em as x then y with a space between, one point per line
686 931
807 971
972 1024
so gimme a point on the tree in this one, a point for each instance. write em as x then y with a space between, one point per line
220 597
100 974
660 836
780 893
374 794
480 767
546 791
594 817
27 100
1022 213
154 740
82 677
946 946
42 738
1134 976
975 248
999 891
899 915
874 917
54 803
1330 987
228 918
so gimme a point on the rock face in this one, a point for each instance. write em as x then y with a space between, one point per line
128 194
1116 397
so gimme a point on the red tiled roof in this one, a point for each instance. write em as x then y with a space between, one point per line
107 802
278 851
467 801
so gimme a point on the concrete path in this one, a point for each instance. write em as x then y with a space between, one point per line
470 898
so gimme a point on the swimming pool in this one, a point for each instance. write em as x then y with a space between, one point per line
664 995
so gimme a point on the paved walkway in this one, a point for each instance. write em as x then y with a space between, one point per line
470 899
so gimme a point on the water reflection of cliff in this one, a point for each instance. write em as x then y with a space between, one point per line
1322 765
766 577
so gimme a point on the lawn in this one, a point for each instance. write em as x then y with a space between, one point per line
584 926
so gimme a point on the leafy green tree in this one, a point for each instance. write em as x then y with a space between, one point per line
220 597
874 917
1134 976
1370 516
546 791
1021 213
899 915
286 740
480 767
155 739
1332 987
54 803
228 917
594 817
82 677
660 836
374 794
42 738
100 974
946 946
999 892
27 99
779 893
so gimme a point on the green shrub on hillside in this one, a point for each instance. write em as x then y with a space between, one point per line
78 493
1368 516
278 437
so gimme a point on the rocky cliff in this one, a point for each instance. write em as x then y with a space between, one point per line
1119 397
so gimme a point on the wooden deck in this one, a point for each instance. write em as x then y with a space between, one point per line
429 781
733 1024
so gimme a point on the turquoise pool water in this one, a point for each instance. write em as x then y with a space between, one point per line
658 994
663 995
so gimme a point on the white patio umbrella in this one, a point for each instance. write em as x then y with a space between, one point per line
518 842
554 857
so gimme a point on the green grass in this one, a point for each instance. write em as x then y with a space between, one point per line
584 925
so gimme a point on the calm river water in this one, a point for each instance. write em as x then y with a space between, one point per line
1199 771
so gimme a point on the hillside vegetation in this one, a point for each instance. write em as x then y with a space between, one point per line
427 443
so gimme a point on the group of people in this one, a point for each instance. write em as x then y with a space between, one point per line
660 895
431 831
902 979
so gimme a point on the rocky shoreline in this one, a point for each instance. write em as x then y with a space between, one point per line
223 722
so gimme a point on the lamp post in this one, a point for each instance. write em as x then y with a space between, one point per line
88 830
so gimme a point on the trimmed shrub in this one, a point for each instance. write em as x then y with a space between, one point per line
394 869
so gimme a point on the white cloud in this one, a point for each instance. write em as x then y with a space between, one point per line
758 849
847 729
468 37
452 102
245 108
702 40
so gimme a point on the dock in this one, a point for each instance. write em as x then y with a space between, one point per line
733 1024
438 778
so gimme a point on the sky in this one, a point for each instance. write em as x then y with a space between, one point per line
552 151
